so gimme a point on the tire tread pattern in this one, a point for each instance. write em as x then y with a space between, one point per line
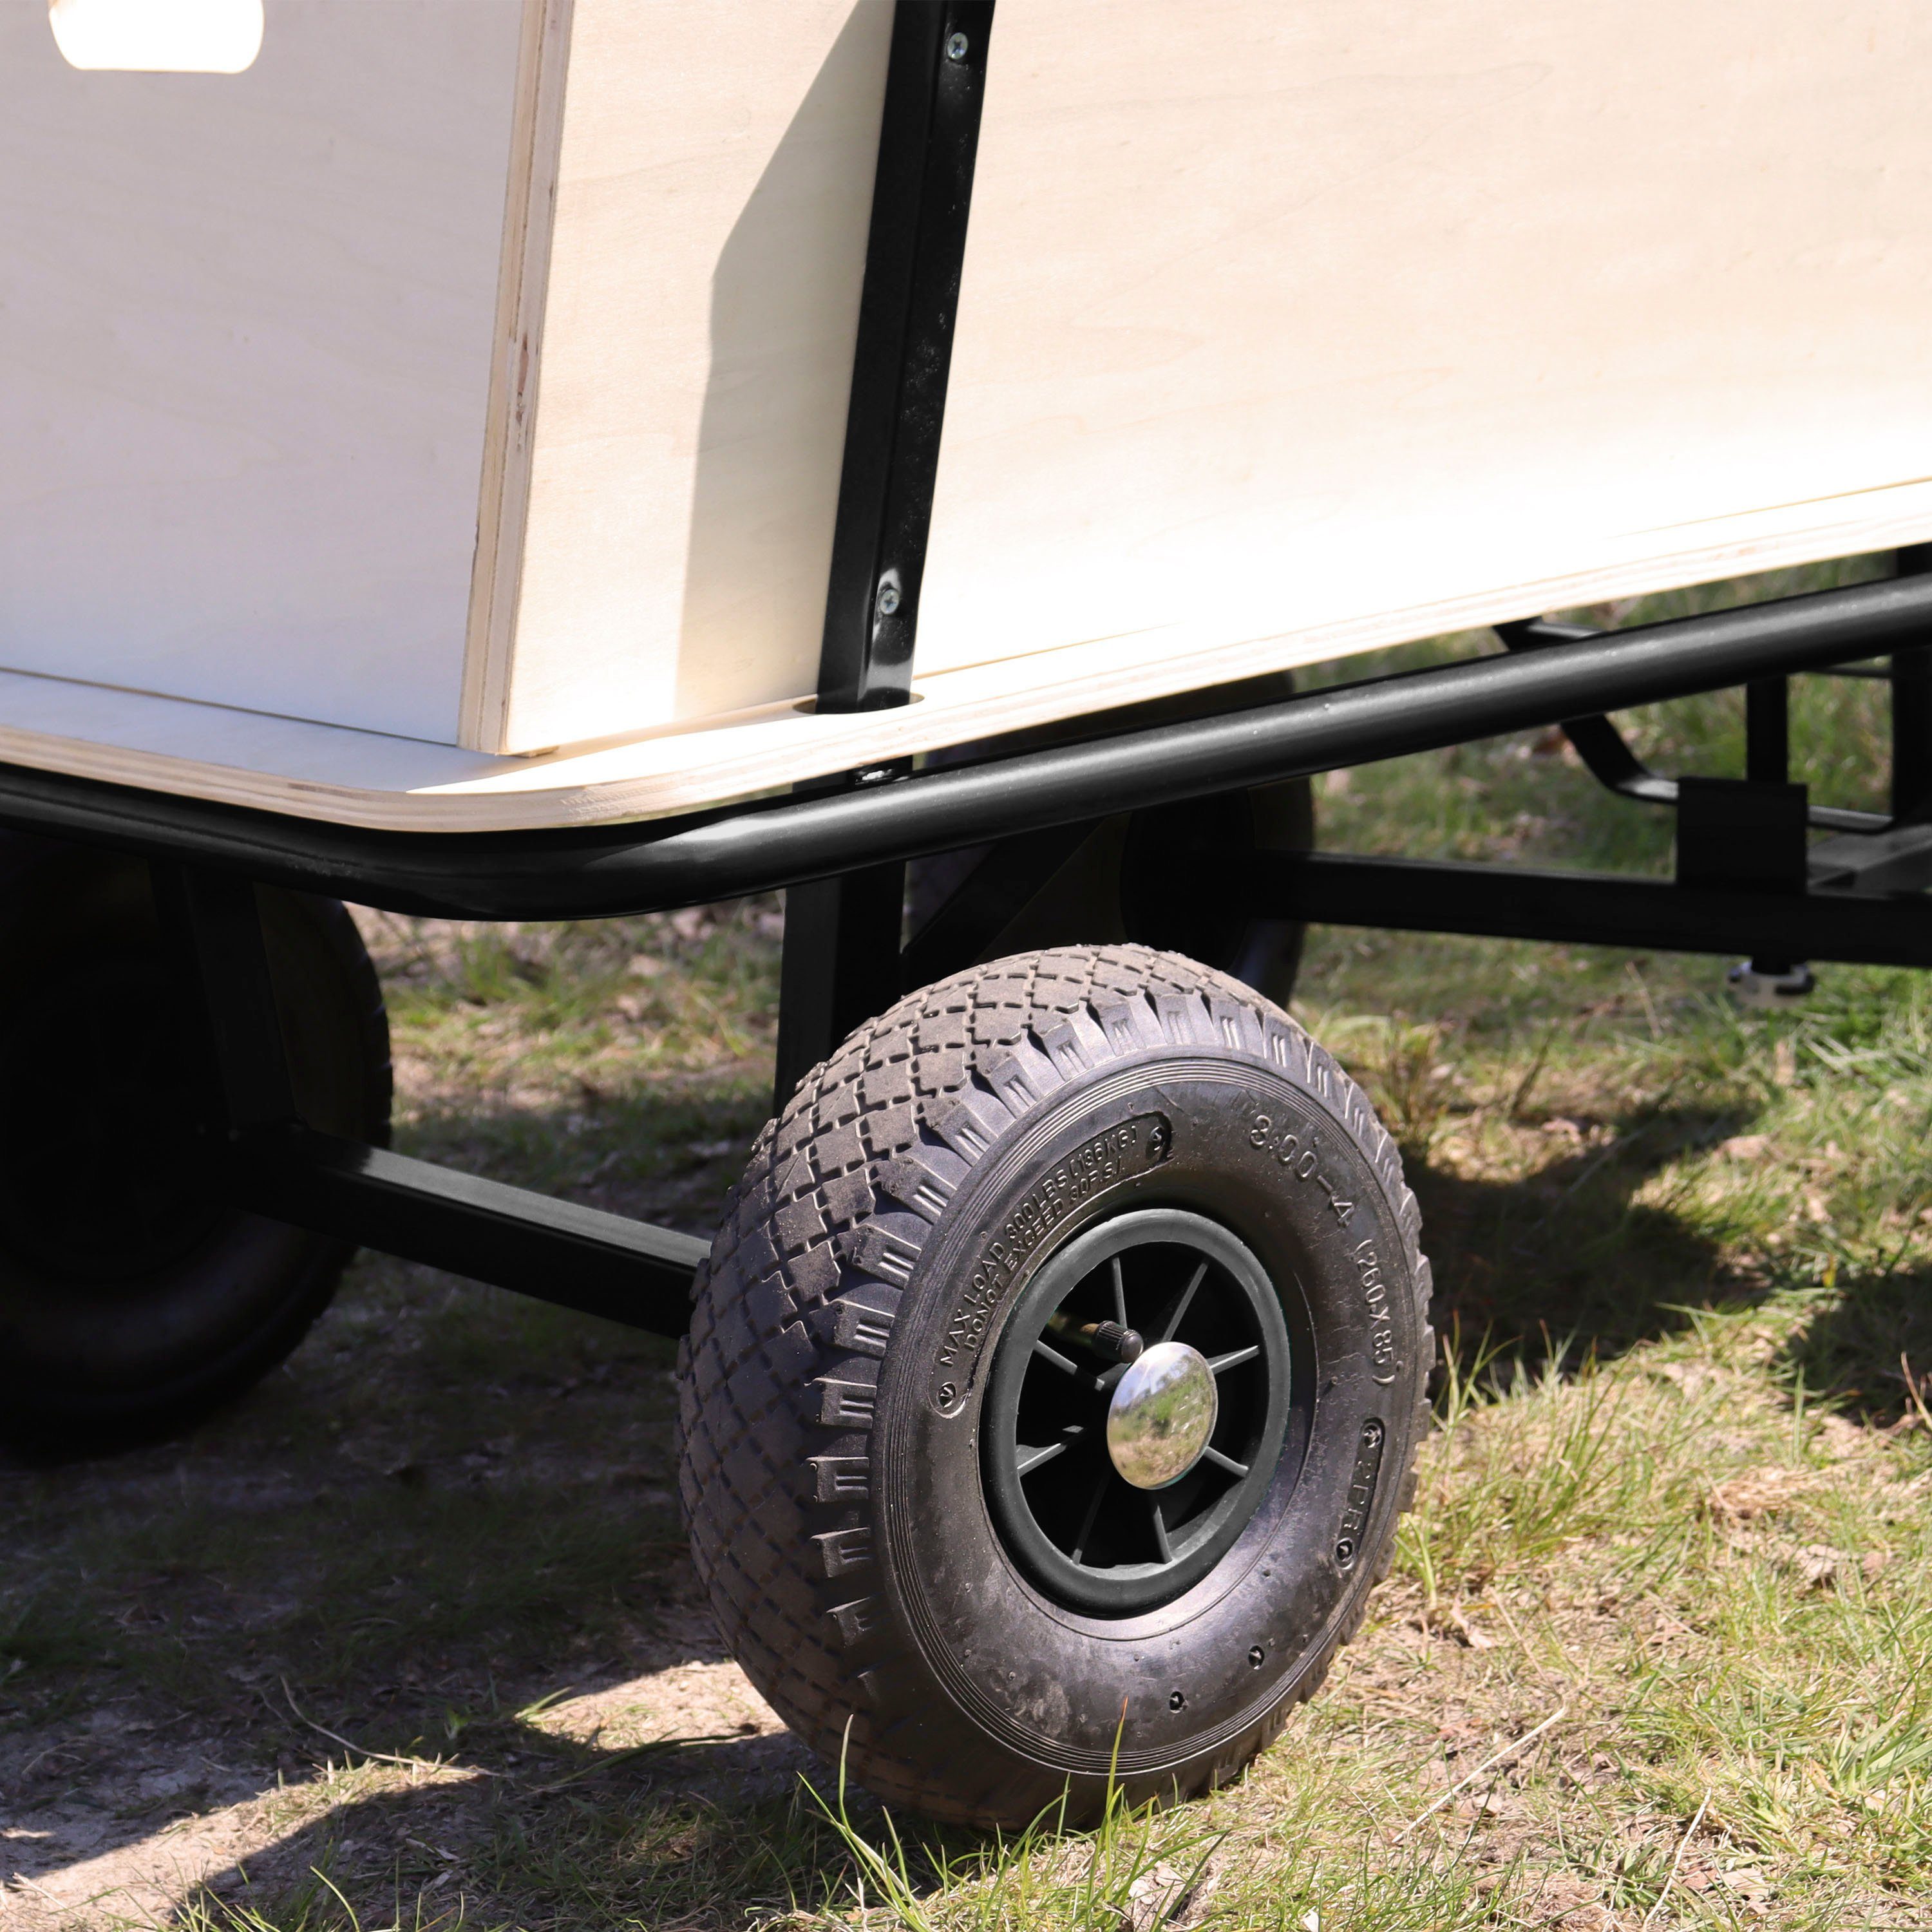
777 1372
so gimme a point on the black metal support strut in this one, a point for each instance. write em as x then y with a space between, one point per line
842 951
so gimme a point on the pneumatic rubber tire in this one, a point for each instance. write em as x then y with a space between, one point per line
840 1473
132 1300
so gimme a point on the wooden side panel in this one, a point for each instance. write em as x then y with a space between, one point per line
1351 316
247 325
713 189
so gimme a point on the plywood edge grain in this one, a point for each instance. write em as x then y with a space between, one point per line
363 778
530 211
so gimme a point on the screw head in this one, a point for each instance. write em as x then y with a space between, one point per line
956 45
889 599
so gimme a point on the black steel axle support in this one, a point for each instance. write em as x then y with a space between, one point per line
606 871
841 950
556 1251
206 857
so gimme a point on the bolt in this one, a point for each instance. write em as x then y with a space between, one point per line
1257 1657
956 47
1174 1702
889 599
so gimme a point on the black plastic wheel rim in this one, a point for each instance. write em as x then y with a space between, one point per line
1072 1524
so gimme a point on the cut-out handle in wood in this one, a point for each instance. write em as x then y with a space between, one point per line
158 36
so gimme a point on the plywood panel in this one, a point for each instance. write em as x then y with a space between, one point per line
1281 318
713 190
361 778
247 325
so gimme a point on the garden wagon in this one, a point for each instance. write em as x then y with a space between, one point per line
433 430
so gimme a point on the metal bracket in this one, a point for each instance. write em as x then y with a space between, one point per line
1605 752
841 950
915 250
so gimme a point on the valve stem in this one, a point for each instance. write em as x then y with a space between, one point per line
1104 1338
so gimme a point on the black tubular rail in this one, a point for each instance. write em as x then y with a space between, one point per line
608 871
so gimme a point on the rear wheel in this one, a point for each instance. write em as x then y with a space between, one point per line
133 1299
1053 1386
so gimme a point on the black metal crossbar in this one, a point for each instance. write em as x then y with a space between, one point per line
1578 908
556 1251
603 871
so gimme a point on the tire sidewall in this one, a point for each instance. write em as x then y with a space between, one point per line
94 1363
1057 1688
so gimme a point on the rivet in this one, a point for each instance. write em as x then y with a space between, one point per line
956 47
889 599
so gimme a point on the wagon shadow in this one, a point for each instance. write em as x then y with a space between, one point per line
600 1836
1566 1262
1857 1350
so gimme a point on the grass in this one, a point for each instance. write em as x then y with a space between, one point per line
408 1638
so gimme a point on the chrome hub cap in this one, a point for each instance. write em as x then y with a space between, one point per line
1163 1411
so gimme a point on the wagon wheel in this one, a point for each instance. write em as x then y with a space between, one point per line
1054 1384
133 1299
1119 883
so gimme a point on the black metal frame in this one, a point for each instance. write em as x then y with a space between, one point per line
1031 808
1749 882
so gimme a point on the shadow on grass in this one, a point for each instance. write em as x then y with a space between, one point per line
1858 1348
1566 1260
716 1828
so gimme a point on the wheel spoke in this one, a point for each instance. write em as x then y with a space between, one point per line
1047 1354
1211 1454
1120 1295
1161 1542
1030 1459
1176 1313
1086 1529
1233 1359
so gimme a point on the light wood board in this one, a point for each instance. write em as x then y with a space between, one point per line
247 323
1280 317
670 530
362 778
1286 332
